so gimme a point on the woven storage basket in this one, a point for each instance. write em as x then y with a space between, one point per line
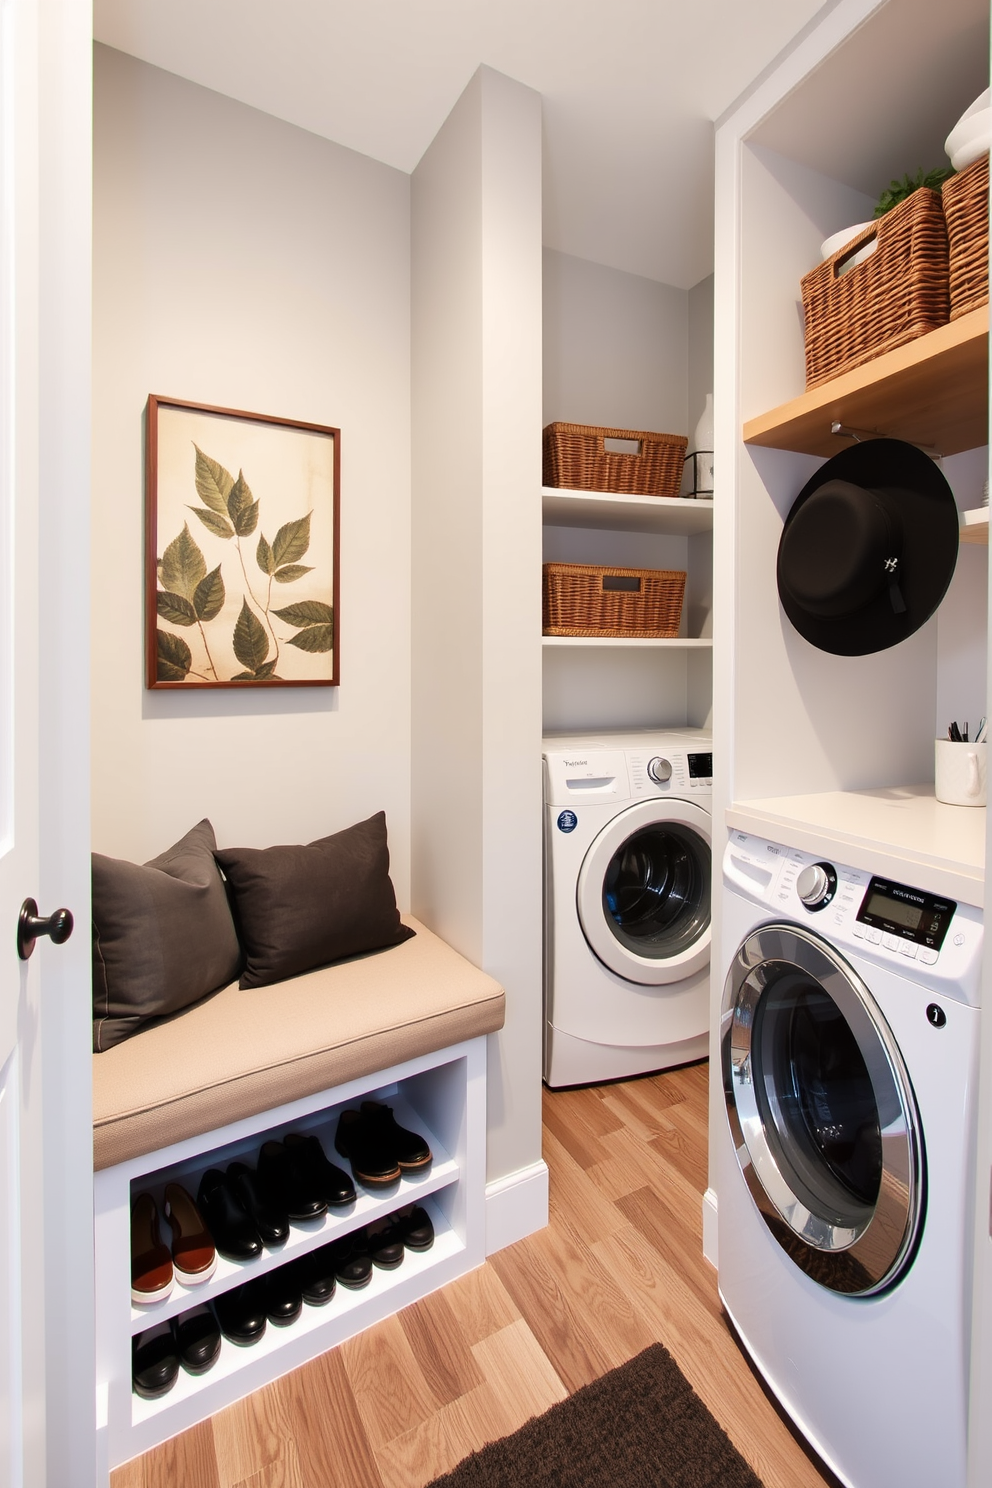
966 209
582 599
897 294
576 458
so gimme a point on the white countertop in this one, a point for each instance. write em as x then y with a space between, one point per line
900 832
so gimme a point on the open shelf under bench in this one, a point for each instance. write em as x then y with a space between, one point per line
933 391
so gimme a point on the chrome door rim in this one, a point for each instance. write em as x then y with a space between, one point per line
858 1259
644 970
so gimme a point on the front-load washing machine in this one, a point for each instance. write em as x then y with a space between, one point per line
627 903
849 1043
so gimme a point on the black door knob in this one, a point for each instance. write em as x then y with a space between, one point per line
30 925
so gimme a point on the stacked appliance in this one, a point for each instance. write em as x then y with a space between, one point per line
627 903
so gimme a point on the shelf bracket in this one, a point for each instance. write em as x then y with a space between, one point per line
844 431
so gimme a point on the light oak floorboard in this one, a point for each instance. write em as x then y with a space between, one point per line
620 1266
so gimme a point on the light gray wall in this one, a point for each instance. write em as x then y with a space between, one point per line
615 347
476 556
242 262
700 357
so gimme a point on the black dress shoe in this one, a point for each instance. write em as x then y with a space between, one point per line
385 1243
412 1151
350 1259
260 1203
154 1361
315 1272
227 1219
372 1158
328 1179
197 1339
283 1295
241 1312
415 1227
290 1182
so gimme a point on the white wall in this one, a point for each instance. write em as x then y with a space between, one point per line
242 262
477 608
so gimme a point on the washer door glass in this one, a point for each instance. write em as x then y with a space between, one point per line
656 890
822 1112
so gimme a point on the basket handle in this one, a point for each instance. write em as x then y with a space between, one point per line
613 446
860 250
628 583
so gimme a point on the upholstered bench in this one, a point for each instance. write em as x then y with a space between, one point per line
209 1085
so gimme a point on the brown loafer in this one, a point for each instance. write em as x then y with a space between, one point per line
151 1262
193 1253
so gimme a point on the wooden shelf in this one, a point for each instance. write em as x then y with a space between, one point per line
932 391
975 526
677 515
677 643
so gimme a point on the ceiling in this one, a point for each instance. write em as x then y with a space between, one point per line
630 90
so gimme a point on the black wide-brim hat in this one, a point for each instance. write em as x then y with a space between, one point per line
868 549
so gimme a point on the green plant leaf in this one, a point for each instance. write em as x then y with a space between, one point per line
213 482
314 638
208 601
291 573
175 608
238 502
263 555
266 671
183 565
251 644
291 541
174 657
897 191
218 525
247 520
307 612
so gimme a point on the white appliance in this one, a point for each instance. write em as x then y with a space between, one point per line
849 1041
627 903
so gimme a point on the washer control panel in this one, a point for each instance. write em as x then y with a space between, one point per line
892 923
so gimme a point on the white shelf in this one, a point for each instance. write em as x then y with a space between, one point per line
903 832
975 526
679 516
677 643
367 1207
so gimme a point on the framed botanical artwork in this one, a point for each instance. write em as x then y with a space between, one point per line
242 563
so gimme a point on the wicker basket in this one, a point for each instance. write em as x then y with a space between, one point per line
966 209
576 458
897 294
582 599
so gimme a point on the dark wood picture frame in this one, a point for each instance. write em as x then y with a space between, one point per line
196 573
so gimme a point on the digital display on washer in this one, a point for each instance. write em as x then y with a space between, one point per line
700 766
910 913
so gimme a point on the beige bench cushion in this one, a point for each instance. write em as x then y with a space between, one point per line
241 1052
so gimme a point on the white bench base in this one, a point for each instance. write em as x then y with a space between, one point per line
442 1095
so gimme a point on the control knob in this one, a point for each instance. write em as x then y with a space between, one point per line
660 769
813 886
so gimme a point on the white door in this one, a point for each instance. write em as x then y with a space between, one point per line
47 1412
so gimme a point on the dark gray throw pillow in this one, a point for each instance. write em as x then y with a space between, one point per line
163 936
298 908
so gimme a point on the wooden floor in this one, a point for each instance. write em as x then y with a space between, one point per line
619 1267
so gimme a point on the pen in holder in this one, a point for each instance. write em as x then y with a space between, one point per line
959 773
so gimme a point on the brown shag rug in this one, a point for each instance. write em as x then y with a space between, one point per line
640 1426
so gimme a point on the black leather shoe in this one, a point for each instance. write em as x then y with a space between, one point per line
283 1295
328 1179
315 1272
290 1182
412 1151
228 1221
415 1227
260 1203
154 1361
385 1243
351 1260
372 1158
241 1312
197 1339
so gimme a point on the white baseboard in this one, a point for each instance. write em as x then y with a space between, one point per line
516 1206
709 1226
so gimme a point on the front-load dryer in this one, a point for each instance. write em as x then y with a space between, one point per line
849 1048
627 903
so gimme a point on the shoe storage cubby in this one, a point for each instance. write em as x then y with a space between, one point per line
441 1096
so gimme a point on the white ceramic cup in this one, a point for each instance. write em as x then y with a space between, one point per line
959 773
